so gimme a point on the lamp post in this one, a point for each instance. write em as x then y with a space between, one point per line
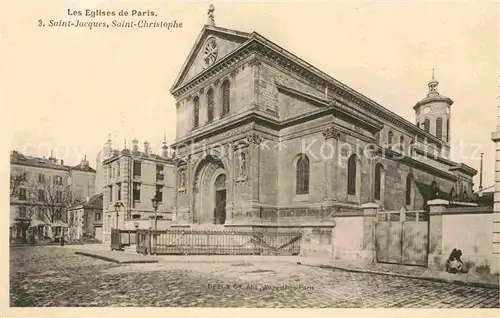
117 209
155 208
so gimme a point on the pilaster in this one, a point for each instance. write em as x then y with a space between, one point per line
331 155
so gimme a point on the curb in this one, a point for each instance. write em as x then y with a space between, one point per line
114 260
434 279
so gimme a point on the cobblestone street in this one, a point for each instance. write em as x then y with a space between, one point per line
54 276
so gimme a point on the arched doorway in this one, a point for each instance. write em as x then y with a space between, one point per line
220 199
210 191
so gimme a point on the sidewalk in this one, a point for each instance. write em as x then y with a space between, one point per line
471 279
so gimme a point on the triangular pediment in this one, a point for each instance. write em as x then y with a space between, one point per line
226 41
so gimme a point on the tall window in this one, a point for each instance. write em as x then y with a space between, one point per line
225 97
119 191
41 195
137 168
351 175
41 178
401 143
409 181
196 112
302 177
389 139
22 194
447 130
452 194
159 173
439 128
427 125
110 191
210 105
378 181
137 191
159 194
118 168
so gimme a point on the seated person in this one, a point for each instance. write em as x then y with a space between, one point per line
454 263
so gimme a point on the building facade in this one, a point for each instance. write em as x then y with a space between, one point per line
132 179
85 219
266 139
41 191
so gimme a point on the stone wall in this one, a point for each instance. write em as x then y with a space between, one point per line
469 229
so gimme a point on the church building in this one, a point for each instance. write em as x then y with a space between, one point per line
266 139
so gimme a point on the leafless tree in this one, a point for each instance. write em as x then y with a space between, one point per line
49 200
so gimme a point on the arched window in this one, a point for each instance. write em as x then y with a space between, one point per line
439 128
401 143
225 97
196 112
302 175
427 125
409 181
378 181
452 194
351 175
210 105
434 190
389 139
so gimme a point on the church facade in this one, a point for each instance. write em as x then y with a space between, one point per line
266 139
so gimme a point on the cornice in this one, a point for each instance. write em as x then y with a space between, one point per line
271 52
428 100
394 155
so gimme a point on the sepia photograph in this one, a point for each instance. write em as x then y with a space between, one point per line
204 154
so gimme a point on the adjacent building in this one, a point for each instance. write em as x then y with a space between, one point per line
41 190
85 219
132 178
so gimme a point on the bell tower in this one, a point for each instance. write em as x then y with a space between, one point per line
433 113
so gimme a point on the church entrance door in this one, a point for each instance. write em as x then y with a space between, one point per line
220 200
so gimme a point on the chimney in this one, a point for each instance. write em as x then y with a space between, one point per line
164 147
146 148
52 158
135 145
87 199
84 163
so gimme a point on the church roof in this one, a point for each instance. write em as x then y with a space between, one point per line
254 43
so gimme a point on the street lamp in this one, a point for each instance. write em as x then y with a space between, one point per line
117 209
155 207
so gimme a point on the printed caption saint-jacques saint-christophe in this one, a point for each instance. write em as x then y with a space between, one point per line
103 19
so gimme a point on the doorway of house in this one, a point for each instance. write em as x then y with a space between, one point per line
220 200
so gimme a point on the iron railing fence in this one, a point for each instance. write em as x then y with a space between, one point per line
217 242
122 238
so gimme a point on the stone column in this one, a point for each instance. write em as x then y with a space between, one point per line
330 151
436 209
369 225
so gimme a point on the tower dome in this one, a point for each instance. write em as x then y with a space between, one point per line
433 112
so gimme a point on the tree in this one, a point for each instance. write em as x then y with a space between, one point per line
49 199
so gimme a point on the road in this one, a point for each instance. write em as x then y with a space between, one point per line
55 276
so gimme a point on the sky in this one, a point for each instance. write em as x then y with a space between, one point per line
66 89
